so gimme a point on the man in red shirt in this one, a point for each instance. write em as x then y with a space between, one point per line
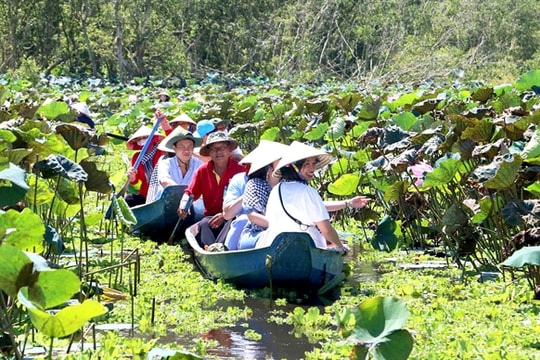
210 181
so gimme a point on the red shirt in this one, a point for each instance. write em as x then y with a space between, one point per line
204 184
141 176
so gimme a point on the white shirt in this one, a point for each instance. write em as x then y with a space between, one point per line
301 201
168 168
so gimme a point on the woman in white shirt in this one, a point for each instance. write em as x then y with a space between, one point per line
294 206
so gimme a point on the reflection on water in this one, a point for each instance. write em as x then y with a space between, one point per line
278 341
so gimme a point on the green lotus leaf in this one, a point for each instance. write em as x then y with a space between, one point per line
481 132
403 100
405 120
67 190
483 94
10 195
7 136
454 218
53 287
123 212
39 193
425 106
59 165
377 318
317 133
385 238
66 321
16 156
52 109
348 101
337 129
12 271
344 185
98 180
528 80
528 255
443 173
397 346
506 174
532 148
76 135
370 109
26 230
396 190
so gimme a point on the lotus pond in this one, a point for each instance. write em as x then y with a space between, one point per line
445 263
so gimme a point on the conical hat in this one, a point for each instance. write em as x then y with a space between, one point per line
176 135
142 132
299 151
266 153
183 118
81 107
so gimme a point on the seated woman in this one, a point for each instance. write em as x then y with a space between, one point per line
259 184
142 174
177 169
294 206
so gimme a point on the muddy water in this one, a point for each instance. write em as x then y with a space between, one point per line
278 341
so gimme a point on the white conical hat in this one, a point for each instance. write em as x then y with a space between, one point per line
266 153
298 151
81 107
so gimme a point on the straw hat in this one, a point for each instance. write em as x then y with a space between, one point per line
142 132
299 151
81 107
266 153
183 118
204 127
216 138
176 135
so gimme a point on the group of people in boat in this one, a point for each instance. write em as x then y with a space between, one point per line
246 200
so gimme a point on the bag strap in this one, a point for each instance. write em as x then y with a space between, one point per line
286 212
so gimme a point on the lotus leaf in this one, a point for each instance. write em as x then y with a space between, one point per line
528 80
76 135
66 321
98 180
379 323
12 272
345 185
27 230
528 255
405 120
385 238
59 165
10 195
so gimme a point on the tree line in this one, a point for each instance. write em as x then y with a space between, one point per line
304 40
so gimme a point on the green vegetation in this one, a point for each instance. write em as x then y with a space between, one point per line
452 170
393 41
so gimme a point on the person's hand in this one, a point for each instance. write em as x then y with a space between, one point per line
132 174
346 249
357 202
216 221
182 213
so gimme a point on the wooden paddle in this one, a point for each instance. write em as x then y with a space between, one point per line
180 220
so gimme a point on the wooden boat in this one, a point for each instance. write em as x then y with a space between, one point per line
157 219
292 261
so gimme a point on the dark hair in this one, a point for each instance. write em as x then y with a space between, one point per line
261 173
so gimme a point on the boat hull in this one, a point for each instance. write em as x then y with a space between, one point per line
292 260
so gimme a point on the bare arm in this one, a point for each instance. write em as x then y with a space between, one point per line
258 219
232 208
356 202
329 233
